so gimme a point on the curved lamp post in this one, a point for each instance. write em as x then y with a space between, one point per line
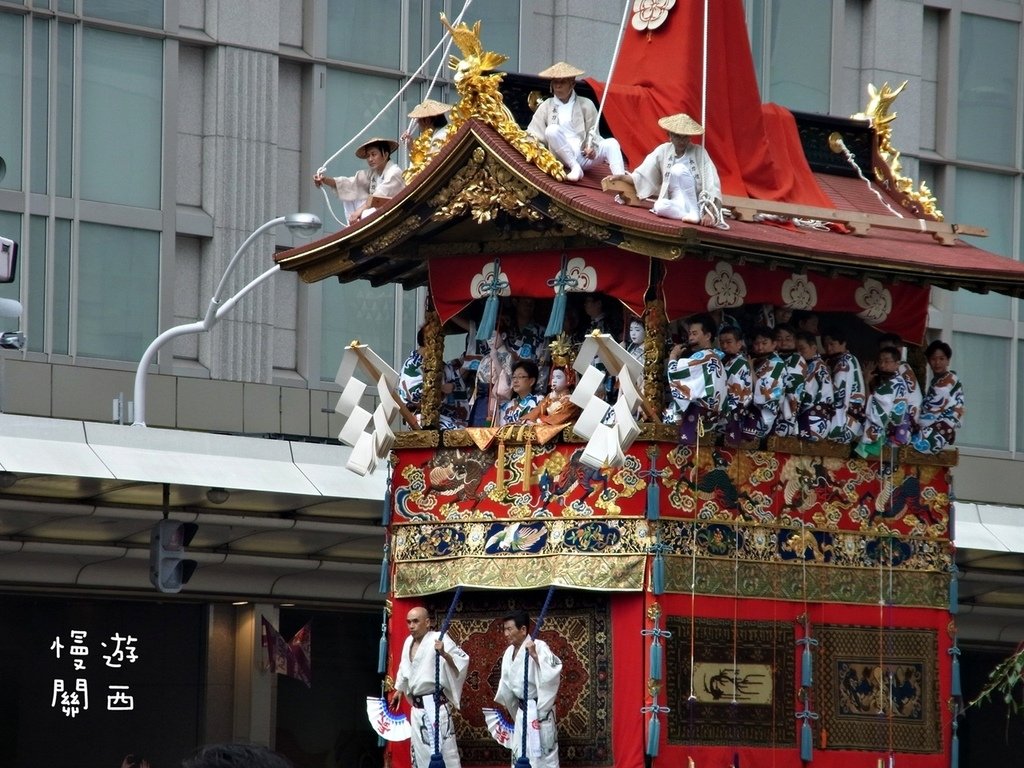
301 223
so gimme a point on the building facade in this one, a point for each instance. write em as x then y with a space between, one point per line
142 142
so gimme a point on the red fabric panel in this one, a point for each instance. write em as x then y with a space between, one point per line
757 155
397 753
629 678
454 281
695 285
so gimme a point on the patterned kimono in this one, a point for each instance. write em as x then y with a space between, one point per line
410 380
848 396
514 411
816 405
738 389
886 417
697 384
758 418
794 380
914 395
942 412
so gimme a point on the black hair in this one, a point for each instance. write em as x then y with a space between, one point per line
808 337
706 323
762 332
836 334
889 351
939 346
529 366
520 618
889 340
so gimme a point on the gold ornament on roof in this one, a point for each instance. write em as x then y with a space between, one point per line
880 100
562 350
477 86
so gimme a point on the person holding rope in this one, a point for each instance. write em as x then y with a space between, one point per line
430 119
381 178
545 672
567 124
416 679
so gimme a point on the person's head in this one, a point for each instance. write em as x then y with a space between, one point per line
938 354
834 340
421 338
888 360
562 378
524 376
637 332
700 331
730 340
593 305
516 627
808 321
236 756
430 114
377 152
762 341
681 129
563 79
890 340
417 620
806 344
785 338
782 315
524 308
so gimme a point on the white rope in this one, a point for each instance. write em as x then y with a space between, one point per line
446 36
704 76
611 69
853 162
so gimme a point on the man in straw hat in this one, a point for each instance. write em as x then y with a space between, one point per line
430 116
682 174
567 124
381 178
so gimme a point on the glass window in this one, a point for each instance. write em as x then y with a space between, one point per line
64 117
34 265
980 199
118 287
144 13
122 80
12 76
986 423
499 30
800 66
988 89
356 311
40 91
365 33
930 77
60 344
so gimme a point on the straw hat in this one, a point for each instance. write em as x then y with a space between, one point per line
682 125
560 70
429 108
361 151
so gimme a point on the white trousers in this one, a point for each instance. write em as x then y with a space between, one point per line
681 200
423 736
568 147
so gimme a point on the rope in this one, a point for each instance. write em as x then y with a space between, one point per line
437 676
853 162
409 81
523 759
704 74
611 69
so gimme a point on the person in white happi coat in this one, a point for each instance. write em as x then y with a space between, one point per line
567 124
545 674
380 179
682 175
416 679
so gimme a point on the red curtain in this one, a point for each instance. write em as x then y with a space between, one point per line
456 281
658 73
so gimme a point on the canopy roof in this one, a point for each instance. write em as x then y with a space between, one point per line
479 196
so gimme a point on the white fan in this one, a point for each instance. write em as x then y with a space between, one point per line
499 728
387 724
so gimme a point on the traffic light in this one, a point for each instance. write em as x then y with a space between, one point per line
168 568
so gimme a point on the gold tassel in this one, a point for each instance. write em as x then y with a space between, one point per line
501 463
528 462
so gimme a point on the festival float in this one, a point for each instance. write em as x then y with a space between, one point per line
774 602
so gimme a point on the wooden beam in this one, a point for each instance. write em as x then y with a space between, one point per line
745 209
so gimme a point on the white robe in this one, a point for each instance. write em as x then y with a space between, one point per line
654 174
415 677
355 190
543 687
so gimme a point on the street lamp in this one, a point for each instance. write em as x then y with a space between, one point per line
300 223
